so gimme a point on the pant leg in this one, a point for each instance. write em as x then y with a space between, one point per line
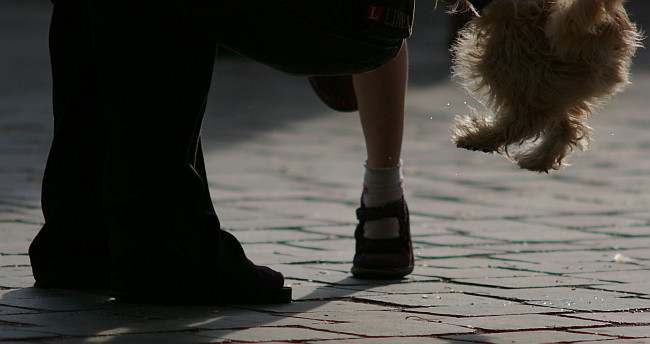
144 81
155 71
71 250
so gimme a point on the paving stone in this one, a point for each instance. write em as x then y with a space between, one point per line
598 223
472 273
301 292
520 322
21 334
55 300
619 243
519 231
263 334
147 338
617 340
641 254
627 332
272 236
568 267
384 323
570 294
495 307
461 262
633 288
596 304
319 275
424 252
533 281
627 276
433 300
77 323
454 240
454 210
304 307
401 340
560 257
152 319
5 310
616 317
537 247
528 337
406 287
17 281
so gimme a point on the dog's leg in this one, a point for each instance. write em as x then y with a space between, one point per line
477 133
495 135
561 137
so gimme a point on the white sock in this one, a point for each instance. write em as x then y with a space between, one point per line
380 187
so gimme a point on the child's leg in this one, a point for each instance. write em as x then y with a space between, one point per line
380 96
383 237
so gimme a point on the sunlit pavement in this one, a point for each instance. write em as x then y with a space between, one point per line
503 255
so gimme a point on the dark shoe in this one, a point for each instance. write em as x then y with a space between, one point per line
230 278
383 258
337 92
268 290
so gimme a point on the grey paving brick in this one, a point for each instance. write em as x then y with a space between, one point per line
558 293
533 281
384 323
263 334
472 273
401 340
632 288
520 322
616 317
626 332
528 337
597 304
626 276
430 300
495 308
22 334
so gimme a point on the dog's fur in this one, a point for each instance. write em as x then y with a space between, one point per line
542 67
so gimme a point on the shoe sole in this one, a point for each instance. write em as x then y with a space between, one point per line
278 296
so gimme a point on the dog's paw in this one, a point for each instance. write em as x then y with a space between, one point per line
540 158
485 141
469 144
476 133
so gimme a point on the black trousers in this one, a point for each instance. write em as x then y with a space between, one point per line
125 195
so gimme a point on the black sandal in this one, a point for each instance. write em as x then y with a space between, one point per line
383 258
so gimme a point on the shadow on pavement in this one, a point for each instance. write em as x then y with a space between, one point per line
65 316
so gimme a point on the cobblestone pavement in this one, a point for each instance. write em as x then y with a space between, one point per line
503 255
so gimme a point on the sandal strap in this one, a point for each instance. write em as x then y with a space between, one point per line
394 209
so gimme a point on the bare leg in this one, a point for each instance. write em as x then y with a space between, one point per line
383 240
380 95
